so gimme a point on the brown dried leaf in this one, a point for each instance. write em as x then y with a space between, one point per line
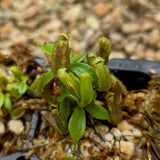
155 150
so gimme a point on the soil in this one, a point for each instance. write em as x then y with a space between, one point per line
137 136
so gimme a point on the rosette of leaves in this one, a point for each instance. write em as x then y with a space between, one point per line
80 80
12 87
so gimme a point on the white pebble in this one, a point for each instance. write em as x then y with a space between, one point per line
130 28
108 144
2 128
127 149
108 137
127 134
112 142
88 132
116 158
101 129
85 145
136 132
92 22
124 125
70 17
16 126
116 132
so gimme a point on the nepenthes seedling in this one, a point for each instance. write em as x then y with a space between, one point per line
81 80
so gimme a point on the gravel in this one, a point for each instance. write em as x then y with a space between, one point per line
131 26
16 126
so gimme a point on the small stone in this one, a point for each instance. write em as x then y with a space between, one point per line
116 132
116 37
54 25
157 56
127 149
84 147
73 14
16 126
157 17
108 144
148 25
124 125
74 33
100 103
6 30
113 141
88 35
101 9
130 48
117 158
136 132
130 28
101 129
94 136
127 134
96 149
154 39
88 131
31 12
2 128
93 23
140 54
117 54
108 137
20 40
116 14
152 71
150 54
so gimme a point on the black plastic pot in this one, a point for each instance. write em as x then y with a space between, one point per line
135 74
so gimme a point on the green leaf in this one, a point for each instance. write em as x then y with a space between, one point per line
70 81
47 77
79 68
1 100
78 58
7 103
86 89
97 111
48 48
77 124
22 88
24 79
34 87
65 94
16 72
12 89
64 110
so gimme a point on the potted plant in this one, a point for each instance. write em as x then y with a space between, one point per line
87 111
